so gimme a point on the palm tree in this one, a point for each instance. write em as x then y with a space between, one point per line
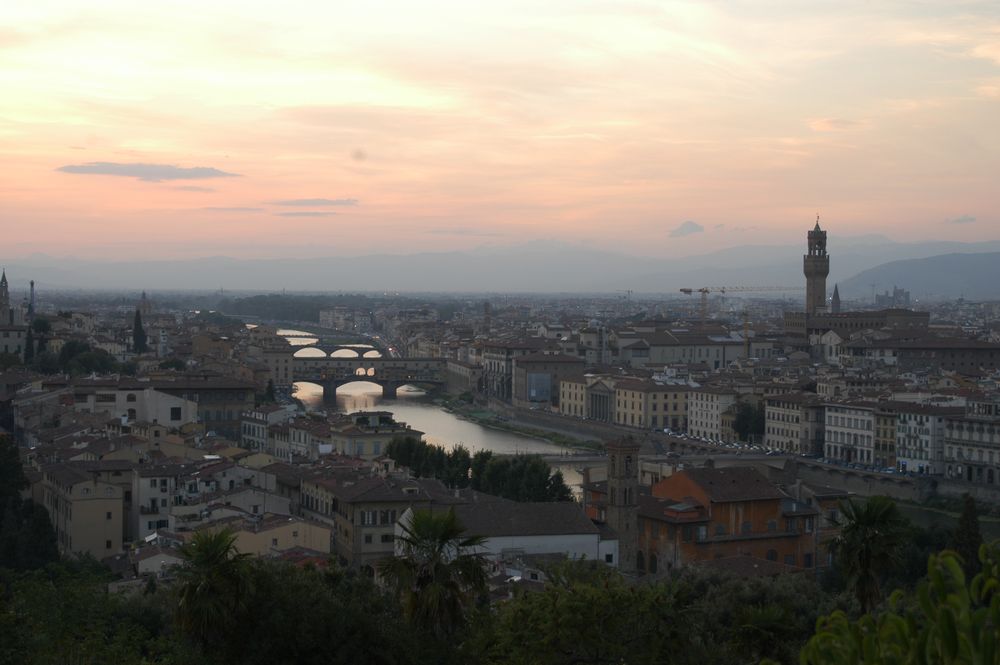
212 585
438 574
869 544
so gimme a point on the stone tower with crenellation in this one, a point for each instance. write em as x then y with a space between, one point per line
622 512
816 266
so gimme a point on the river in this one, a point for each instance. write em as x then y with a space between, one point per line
411 406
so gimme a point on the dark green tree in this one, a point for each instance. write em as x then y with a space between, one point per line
269 395
749 421
869 545
949 620
41 326
12 478
212 587
312 617
29 346
173 363
138 334
593 616
8 360
966 538
438 575
27 540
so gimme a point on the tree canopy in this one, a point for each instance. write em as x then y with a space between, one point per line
518 477
951 619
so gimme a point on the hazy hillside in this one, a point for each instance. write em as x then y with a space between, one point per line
974 276
536 267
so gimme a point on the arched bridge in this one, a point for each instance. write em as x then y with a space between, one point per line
390 373
319 350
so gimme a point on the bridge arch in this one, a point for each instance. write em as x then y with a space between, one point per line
309 352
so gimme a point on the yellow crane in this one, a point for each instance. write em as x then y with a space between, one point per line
705 290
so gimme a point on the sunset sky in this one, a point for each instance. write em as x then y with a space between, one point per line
265 129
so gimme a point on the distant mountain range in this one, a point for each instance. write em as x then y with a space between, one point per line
974 276
545 267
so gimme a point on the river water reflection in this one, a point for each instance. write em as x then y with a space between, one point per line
439 426
412 407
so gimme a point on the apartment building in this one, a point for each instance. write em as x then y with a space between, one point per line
920 437
972 443
706 405
363 509
649 404
704 514
850 431
86 512
794 423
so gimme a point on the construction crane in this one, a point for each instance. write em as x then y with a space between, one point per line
705 290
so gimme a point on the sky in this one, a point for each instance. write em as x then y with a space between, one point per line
280 129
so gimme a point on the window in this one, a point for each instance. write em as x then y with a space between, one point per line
368 538
686 532
772 525
107 544
772 555
107 515
609 558
807 560
175 413
387 537
746 528
274 542
130 397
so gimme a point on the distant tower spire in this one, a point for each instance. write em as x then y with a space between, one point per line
816 266
835 301
31 301
4 297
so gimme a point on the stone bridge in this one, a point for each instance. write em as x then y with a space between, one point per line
359 350
390 373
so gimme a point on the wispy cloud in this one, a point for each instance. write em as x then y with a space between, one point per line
832 124
961 219
687 228
147 172
310 213
465 231
193 188
232 209
310 203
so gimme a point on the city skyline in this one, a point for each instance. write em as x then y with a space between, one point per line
642 128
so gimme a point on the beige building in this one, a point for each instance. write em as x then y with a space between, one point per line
86 513
794 423
264 536
706 406
649 404
363 510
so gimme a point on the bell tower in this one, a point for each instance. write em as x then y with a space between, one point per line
816 266
4 299
622 512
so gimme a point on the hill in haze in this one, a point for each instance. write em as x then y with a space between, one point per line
539 267
974 276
